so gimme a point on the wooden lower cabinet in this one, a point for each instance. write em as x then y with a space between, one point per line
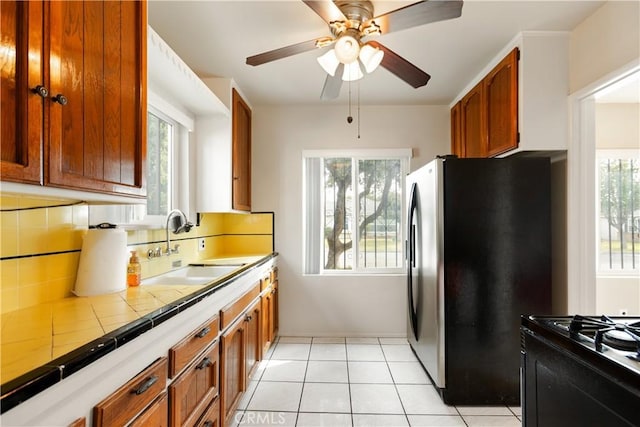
156 415
194 390
232 368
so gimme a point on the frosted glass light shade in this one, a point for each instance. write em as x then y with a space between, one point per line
329 62
352 72
371 57
347 49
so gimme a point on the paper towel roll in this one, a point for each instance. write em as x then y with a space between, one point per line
103 262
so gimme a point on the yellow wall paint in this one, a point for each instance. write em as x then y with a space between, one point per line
40 248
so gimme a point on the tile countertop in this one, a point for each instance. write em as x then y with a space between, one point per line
48 342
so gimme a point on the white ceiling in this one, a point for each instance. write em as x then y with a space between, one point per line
215 37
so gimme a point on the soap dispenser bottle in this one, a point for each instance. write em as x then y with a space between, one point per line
133 270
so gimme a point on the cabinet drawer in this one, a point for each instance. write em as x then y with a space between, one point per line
122 405
194 390
211 417
156 415
233 310
181 354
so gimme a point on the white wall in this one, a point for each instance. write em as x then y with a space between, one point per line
602 47
330 305
604 42
618 126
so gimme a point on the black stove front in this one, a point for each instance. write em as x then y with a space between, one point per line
580 371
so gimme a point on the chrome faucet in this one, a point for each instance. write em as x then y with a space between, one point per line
180 224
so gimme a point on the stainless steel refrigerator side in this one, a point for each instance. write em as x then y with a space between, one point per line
427 273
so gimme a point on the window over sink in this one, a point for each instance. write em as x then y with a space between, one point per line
354 211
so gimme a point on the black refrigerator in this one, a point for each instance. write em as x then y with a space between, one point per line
479 256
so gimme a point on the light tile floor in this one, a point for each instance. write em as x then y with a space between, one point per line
353 382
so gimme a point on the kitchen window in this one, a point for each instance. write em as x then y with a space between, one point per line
160 137
354 211
618 174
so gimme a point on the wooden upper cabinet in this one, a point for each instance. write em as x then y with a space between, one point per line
487 115
97 62
472 124
456 138
22 112
501 92
241 153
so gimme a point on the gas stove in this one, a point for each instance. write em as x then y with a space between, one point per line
616 338
580 371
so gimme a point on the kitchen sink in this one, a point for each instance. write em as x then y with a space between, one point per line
191 275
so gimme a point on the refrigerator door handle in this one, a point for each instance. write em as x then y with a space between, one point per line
411 262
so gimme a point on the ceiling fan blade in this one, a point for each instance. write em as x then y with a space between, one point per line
401 67
419 13
332 84
282 52
326 9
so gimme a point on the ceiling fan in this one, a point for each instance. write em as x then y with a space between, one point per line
353 25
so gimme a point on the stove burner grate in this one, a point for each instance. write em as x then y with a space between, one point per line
621 336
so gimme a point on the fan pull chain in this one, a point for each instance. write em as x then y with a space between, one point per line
349 117
358 110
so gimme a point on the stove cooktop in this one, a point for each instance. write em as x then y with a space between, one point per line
615 338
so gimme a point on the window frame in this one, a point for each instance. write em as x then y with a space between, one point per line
172 169
316 267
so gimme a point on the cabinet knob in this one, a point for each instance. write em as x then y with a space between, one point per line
41 91
248 318
60 99
208 423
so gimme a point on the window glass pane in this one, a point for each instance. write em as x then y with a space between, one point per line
338 214
159 141
619 221
380 211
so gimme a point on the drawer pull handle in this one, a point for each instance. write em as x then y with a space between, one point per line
208 423
248 318
145 385
206 362
203 332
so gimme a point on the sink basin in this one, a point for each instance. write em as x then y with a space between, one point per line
191 275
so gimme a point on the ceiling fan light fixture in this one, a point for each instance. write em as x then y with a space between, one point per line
347 49
329 62
352 72
370 57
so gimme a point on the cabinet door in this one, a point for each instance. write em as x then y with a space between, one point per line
457 147
275 314
22 112
232 369
267 320
253 319
97 64
241 153
193 391
501 89
472 116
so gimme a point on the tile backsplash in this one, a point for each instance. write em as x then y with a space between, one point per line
41 241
